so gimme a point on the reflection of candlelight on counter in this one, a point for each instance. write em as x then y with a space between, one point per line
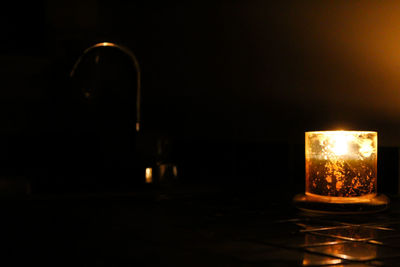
341 164
315 259
341 168
355 251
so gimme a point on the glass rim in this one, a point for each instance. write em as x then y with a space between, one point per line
341 131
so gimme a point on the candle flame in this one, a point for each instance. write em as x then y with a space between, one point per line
340 144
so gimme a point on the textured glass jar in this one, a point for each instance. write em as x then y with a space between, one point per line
341 166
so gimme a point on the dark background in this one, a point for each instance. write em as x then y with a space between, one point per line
233 85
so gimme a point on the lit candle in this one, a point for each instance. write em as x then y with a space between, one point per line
341 166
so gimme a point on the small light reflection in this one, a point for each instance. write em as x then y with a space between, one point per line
354 233
310 259
106 44
163 170
314 260
357 250
149 175
175 171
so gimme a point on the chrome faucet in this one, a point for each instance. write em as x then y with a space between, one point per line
157 170
135 62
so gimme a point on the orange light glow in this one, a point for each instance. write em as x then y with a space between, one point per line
360 251
341 166
149 175
106 44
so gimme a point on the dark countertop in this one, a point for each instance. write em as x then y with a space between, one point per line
190 226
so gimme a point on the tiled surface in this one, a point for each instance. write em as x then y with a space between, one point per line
247 232
194 230
282 236
338 242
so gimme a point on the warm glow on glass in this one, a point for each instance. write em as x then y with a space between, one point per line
341 166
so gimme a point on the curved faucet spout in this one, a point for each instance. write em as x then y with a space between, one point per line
135 62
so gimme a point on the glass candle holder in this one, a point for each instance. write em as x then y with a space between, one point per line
341 168
341 165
